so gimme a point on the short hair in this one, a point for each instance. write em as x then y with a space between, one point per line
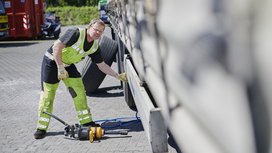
94 21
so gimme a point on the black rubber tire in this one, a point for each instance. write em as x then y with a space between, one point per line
92 77
120 56
128 97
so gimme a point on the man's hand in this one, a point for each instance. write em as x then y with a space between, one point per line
62 73
122 77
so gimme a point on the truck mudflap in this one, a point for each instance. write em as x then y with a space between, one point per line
151 117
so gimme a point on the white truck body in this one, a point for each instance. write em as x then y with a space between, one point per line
199 68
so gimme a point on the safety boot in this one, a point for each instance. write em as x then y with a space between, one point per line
39 134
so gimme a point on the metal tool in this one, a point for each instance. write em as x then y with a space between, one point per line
90 133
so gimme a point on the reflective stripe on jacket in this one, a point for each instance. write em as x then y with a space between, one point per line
76 53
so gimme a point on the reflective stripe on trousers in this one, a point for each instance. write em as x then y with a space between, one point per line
46 104
77 91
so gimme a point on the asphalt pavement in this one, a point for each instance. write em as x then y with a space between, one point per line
20 63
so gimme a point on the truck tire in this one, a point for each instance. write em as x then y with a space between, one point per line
120 56
120 63
128 97
92 77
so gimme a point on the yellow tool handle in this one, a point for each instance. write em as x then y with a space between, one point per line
95 133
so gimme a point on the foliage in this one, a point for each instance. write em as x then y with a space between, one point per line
78 3
71 15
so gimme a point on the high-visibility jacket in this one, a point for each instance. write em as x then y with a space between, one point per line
76 53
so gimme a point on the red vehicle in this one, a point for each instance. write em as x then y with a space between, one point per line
3 21
24 18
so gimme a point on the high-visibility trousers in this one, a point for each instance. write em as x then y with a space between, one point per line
50 83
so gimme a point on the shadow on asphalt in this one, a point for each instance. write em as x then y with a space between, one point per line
20 44
103 138
112 137
107 92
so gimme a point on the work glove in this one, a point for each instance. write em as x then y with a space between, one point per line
122 77
62 73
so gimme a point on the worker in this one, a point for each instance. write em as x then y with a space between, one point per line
58 64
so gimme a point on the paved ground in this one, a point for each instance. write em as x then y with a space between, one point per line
19 95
